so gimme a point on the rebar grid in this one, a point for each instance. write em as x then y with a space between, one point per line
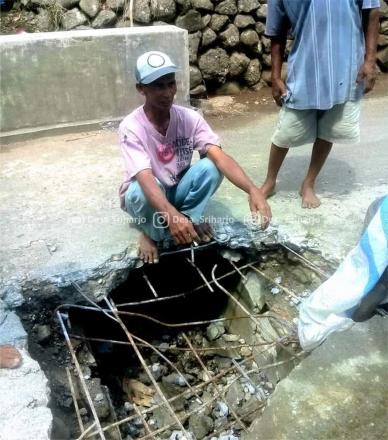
209 375
307 262
183 294
138 343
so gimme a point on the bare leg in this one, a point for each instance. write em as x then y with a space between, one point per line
148 250
276 158
321 150
9 357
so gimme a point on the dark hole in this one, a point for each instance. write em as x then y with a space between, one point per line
172 276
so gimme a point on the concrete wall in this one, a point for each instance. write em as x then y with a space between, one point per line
57 79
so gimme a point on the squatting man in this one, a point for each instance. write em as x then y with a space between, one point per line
161 186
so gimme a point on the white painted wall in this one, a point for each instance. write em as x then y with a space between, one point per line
59 79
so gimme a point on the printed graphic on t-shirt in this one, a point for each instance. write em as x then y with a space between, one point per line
184 151
165 152
181 149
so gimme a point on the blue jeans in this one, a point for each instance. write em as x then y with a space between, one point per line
190 197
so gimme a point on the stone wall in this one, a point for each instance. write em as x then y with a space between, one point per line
228 49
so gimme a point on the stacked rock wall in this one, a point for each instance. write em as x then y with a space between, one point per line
228 49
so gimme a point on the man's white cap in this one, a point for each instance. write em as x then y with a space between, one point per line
152 65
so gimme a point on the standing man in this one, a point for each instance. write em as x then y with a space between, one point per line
161 191
331 64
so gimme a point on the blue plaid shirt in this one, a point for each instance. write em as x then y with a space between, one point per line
327 52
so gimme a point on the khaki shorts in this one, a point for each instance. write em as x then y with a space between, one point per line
299 127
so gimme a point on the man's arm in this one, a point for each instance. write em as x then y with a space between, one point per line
367 72
277 26
180 226
233 172
278 47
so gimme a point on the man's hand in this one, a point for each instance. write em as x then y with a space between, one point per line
232 171
258 203
181 228
367 74
279 90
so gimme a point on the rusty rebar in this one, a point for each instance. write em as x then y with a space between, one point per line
150 286
200 349
72 391
171 325
209 375
241 370
243 308
307 262
237 269
144 365
182 294
79 290
144 421
112 310
200 386
86 432
165 358
200 273
268 278
80 376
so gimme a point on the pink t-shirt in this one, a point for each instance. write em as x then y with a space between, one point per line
143 147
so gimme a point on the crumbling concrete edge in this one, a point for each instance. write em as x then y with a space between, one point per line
60 284
24 391
56 284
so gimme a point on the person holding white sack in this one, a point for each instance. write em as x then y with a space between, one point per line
358 286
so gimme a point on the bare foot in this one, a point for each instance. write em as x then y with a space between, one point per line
204 231
9 357
148 250
309 198
268 188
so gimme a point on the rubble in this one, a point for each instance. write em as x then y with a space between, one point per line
215 331
43 333
206 379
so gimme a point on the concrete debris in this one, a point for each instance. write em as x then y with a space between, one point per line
43 333
128 407
249 411
83 412
235 396
200 425
177 379
158 370
221 410
163 346
227 436
86 357
179 435
86 372
245 351
215 331
244 396
231 255
253 289
100 400
230 338
11 329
